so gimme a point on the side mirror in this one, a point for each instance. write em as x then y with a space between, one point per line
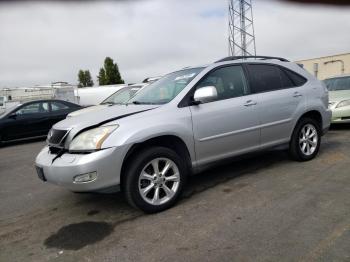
13 116
205 94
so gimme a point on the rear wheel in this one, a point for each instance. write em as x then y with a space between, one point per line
154 179
306 140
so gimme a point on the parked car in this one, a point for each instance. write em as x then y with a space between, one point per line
33 119
92 96
184 122
118 98
339 98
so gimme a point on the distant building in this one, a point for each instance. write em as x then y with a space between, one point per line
328 66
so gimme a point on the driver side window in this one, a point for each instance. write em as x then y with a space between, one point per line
34 108
229 82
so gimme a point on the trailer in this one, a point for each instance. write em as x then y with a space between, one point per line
56 90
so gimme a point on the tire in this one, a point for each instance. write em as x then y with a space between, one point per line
168 184
306 140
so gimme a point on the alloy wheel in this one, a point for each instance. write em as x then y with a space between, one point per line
308 139
159 181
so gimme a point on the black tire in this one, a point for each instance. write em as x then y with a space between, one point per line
141 160
295 149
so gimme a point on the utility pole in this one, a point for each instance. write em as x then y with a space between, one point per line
241 28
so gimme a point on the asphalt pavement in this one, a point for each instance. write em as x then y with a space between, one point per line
260 208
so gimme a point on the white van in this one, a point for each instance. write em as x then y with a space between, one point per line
91 96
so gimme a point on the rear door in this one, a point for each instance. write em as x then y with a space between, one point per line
229 125
59 111
279 100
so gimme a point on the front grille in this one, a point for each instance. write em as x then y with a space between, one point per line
56 137
55 150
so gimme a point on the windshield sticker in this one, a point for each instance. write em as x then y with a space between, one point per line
185 77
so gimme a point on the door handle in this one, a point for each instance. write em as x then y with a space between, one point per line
297 94
250 103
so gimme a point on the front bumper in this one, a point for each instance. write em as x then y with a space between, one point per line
341 115
107 163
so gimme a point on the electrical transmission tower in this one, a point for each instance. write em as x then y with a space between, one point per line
241 28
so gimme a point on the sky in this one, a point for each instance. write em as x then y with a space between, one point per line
44 42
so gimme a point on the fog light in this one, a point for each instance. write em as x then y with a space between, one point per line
85 178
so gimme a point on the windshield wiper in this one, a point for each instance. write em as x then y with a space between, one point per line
142 103
107 103
138 103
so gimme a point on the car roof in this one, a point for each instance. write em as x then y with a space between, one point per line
242 59
233 58
45 100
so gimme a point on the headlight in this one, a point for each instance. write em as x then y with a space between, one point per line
91 139
344 103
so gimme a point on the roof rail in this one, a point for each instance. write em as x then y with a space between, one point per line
231 58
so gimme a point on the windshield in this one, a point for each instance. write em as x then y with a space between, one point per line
5 111
339 83
2 112
167 88
122 96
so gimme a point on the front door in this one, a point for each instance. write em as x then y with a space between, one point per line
229 125
28 121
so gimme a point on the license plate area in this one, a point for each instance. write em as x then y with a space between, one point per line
40 172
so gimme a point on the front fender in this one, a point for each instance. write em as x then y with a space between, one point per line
138 130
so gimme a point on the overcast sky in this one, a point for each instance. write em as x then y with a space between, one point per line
45 42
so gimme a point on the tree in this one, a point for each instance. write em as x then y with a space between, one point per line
109 74
85 79
102 77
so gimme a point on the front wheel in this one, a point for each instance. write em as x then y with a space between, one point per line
306 140
154 179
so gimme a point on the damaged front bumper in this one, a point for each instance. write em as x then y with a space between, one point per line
92 172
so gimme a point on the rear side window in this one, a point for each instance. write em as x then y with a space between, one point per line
56 106
265 78
297 79
286 80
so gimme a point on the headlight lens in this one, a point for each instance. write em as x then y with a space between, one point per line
344 103
91 139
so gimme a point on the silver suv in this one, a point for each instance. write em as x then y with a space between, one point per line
185 121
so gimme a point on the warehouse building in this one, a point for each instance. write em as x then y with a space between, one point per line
328 66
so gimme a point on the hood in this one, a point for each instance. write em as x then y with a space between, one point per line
337 96
99 117
87 110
